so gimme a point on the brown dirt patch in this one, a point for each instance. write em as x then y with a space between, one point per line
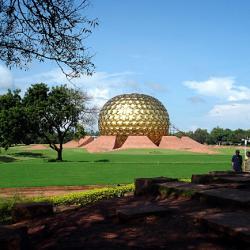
44 191
37 147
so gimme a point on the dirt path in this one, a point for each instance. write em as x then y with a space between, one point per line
44 191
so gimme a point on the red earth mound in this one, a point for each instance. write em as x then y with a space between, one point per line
79 143
184 143
170 142
101 144
71 144
138 142
85 140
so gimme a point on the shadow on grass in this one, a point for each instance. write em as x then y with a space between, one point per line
102 160
55 160
7 159
29 154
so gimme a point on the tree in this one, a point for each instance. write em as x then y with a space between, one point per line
55 112
79 131
201 135
46 30
13 119
217 135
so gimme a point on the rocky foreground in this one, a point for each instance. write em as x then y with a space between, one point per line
212 212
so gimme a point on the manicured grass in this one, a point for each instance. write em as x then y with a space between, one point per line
20 167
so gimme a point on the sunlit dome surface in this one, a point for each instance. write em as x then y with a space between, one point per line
134 114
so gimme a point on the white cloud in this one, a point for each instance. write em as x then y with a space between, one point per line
231 115
220 87
6 79
100 96
231 111
101 86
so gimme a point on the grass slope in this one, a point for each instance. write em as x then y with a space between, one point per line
20 167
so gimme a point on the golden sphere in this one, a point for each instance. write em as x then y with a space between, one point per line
134 114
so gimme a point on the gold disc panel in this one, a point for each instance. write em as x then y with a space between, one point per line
134 114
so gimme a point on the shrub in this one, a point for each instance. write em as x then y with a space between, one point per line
6 206
88 197
80 198
185 179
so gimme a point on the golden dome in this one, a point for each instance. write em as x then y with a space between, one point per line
134 114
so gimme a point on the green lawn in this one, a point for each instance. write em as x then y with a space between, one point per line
20 167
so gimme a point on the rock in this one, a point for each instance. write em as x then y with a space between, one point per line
13 238
202 178
132 212
235 225
145 186
25 211
226 197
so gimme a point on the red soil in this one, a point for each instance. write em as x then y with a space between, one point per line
71 144
85 140
138 142
101 144
184 143
44 191
170 142
107 143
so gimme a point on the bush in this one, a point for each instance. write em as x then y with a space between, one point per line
6 206
88 197
80 198
185 179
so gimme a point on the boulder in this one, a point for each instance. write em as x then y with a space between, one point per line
145 186
134 212
26 211
13 238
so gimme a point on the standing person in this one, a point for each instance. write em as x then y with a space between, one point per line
247 162
237 161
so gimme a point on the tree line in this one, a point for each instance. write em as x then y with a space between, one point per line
43 114
217 136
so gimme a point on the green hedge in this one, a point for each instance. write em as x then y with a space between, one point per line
80 198
88 197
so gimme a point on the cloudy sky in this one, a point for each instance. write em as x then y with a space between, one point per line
194 56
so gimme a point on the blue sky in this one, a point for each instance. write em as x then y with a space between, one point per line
194 56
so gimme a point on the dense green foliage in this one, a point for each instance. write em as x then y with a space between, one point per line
23 168
45 113
218 136
88 197
13 119
53 112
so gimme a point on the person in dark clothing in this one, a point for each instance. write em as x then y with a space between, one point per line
237 161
